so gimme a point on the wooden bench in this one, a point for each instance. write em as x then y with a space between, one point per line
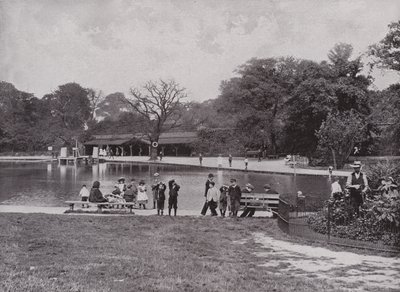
101 206
273 156
260 201
254 153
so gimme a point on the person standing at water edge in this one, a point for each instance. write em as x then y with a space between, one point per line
161 198
246 163
154 189
201 159
84 194
205 206
142 197
213 195
230 160
235 195
357 183
223 200
173 196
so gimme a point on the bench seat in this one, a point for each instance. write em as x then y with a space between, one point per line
100 206
260 201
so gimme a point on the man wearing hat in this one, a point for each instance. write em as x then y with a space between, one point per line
357 183
205 206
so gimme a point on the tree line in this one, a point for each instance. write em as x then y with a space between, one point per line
321 110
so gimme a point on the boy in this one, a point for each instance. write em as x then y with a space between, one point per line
84 194
173 196
161 198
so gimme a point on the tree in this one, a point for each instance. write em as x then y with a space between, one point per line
69 110
112 106
160 103
386 53
262 89
334 87
339 133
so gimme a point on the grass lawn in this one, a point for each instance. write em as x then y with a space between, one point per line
140 253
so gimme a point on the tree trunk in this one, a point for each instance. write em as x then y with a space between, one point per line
334 159
153 152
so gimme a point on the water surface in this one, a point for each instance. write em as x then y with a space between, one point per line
48 184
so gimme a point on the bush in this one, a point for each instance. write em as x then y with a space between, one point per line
378 221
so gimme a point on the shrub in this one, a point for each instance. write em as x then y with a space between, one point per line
378 221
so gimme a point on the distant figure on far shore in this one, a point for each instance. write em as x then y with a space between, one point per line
246 163
201 159
230 160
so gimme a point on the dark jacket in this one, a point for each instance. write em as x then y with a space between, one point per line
235 193
95 194
173 192
161 192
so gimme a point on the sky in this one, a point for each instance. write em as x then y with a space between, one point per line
113 45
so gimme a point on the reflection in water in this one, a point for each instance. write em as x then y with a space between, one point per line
65 183
49 169
63 173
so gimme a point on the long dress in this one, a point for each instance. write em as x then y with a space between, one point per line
142 197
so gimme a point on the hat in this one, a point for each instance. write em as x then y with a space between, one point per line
142 182
267 186
121 179
356 164
210 175
156 174
250 186
233 180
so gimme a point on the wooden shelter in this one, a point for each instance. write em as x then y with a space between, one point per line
171 144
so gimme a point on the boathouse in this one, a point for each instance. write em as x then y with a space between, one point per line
171 144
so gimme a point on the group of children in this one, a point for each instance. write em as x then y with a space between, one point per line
131 192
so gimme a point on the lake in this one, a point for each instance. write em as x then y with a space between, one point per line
50 184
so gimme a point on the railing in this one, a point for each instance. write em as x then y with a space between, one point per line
293 220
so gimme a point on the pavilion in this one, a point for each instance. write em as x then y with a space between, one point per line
170 144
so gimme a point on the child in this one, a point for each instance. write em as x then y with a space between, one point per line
337 191
84 194
213 198
223 200
173 196
142 197
121 185
129 194
161 198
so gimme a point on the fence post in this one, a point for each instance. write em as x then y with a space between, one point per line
328 223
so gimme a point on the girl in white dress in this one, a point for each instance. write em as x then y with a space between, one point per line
142 197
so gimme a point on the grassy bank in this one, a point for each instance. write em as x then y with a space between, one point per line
133 253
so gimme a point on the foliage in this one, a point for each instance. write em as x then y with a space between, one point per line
338 135
382 169
379 220
386 53
217 141
261 90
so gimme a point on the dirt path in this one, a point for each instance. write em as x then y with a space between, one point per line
349 270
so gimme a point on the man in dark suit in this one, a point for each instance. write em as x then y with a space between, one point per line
235 194
205 206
